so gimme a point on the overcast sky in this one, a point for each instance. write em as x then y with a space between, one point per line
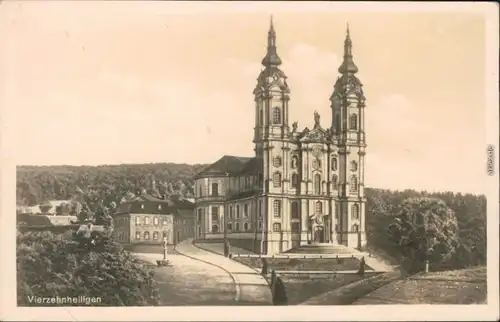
133 82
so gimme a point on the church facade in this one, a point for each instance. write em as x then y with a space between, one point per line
301 186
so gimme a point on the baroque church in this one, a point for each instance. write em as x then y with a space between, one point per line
302 186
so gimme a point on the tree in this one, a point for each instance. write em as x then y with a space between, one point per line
424 229
45 208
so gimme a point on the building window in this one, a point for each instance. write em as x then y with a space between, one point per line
159 207
237 211
155 235
317 183
245 210
200 215
260 208
295 180
355 228
146 235
215 229
215 213
237 226
261 116
337 228
295 162
146 220
336 212
354 122
334 164
229 226
354 166
276 227
276 115
277 179
295 209
355 211
245 226
155 221
277 208
165 222
335 180
137 220
142 206
277 161
353 184
138 235
215 189
230 212
200 191
319 207
295 227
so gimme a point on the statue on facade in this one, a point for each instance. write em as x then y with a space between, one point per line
316 119
294 127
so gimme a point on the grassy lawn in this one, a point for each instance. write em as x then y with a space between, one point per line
303 264
301 287
349 293
466 286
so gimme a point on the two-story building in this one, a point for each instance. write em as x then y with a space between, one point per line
146 220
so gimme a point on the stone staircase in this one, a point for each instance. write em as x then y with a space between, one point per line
323 249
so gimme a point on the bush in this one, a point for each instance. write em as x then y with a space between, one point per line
50 265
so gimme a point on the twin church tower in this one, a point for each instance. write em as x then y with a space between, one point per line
302 186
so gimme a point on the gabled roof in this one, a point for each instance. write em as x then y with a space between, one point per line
227 165
152 205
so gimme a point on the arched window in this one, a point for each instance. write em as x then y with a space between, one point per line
155 221
146 235
277 179
319 207
354 122
335 164
355 228
277 208
355 211
155 235
245 210
237 226
245 226
295 209
200 215
237 211
215 229
354 166
276 227
335 181
261 116
215 213
137 220
137 235
146 220
215 189
353 184
295 180
276 115
317 183
230 212
229 226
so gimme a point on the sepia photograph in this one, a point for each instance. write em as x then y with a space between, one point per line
249 159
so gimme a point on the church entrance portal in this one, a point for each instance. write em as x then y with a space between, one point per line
319 234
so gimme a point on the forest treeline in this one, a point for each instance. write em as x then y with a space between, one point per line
110 183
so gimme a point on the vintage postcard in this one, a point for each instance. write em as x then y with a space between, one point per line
249 161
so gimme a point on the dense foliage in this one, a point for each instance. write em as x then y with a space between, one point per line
111 183
424 229
66 264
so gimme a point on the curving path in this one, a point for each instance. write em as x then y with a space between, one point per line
191 282
251 287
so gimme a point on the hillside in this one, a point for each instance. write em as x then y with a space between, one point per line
36 184
467 286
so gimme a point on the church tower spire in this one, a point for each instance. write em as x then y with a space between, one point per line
271 58
348 66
